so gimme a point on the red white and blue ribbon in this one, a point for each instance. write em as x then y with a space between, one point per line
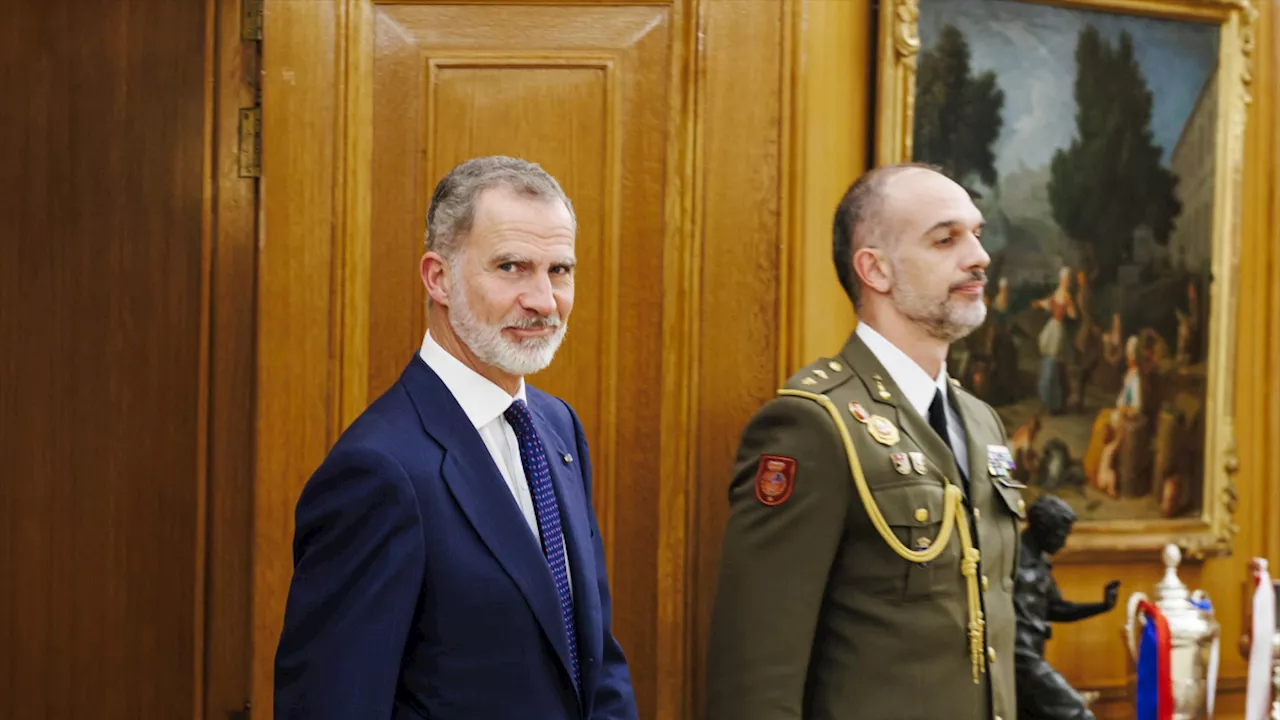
1258 689
1155 682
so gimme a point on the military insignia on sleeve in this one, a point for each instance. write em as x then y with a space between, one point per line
858 412
775 479
900 463
885 432
917 462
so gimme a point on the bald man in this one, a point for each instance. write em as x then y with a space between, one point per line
872 540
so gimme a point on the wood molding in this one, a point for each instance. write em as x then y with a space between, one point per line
677 610
792 189
1267 97
353 186
294 408
830 107
227 652
204 400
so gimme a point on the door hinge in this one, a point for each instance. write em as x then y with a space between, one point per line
251 142
251 19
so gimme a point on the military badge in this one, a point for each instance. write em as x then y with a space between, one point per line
775 479
885 432
999 461
900 463
858 412
917 462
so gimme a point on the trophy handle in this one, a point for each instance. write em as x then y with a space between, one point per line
1131 624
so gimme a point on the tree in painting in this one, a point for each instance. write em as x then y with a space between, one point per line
958 115
1110 181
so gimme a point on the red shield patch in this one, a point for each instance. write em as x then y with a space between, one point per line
775 479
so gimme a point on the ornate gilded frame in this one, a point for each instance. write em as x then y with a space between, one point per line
1213 532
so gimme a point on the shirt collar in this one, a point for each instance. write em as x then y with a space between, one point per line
910 378
481 400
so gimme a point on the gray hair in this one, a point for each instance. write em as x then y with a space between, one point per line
453 204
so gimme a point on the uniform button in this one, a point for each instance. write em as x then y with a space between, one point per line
991 655
977 515
986 584
924 543
921 515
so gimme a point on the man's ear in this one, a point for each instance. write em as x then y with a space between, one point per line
435 277
873 269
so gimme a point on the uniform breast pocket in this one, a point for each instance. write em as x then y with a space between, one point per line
913 513
1010 499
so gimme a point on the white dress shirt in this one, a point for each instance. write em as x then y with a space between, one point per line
917 386
484 404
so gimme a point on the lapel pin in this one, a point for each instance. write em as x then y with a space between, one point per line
808 381
835 366
858 412
568 458
884 394
820 373
900 463
882 430
917 462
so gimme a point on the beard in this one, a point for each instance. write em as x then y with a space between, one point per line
942 316
519 357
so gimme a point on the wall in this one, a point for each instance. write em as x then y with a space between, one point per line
763 121
103 380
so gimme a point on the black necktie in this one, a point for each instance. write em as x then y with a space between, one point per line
938 421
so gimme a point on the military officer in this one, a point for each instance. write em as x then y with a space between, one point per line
870 553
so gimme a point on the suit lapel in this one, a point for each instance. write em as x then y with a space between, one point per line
486 500
573 523
868 368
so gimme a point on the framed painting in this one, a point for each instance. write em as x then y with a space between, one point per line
1103 140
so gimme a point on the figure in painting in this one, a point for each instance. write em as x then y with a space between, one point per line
1088 340
991 370
1052 383
1043 694
1110 372
1119 451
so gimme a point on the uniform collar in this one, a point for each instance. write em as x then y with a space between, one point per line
914 383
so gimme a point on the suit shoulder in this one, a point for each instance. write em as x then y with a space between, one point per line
820 376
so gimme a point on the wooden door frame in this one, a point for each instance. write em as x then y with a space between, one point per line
231 231
313 277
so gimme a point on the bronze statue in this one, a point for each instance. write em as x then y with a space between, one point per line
1043 694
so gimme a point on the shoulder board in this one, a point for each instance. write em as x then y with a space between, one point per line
962 390
820 376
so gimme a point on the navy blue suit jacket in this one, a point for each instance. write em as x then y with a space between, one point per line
418 589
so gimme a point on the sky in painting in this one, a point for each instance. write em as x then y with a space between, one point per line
1032 50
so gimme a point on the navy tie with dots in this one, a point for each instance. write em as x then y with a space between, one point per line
534 459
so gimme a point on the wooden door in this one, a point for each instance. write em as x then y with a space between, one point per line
104 382
584 91
585 94
666 122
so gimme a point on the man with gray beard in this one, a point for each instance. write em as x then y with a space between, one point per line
869 556
447 561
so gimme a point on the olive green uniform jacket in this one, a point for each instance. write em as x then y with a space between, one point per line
816 615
